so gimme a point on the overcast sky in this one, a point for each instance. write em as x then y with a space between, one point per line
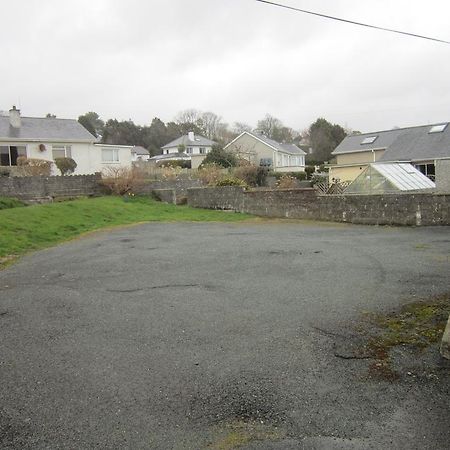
137 59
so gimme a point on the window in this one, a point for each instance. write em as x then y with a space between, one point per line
202 151
369 140
62 151
438 128
285 160
265 162
189 151
110 155
10 153
427 169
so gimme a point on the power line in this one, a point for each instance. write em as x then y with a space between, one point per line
352 21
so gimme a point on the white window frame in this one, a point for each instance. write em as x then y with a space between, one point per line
66 148
203 151
189 150
114 153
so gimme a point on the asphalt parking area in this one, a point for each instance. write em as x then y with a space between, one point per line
191 336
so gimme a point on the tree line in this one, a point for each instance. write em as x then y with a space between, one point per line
321 136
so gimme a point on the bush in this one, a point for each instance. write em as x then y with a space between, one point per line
287 182
300 176
66 166
32 167
309 171
122 180
175 163
210 174
231 181
7 203
252 175
171 172
219 157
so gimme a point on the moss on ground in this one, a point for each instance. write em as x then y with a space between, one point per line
416 325
239 433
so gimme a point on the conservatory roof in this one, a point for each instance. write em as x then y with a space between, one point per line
389 177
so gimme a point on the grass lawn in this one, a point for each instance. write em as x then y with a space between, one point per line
40 226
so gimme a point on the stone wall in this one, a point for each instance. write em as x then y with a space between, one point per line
179 188
388 209
48 188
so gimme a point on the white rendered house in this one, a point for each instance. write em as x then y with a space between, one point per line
190 143
50 138
262 151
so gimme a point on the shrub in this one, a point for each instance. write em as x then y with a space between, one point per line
171 172
210 174
175 163
231 181
122 180
300 176
219 157
309 171
32 167
252 175
287 182
66 166
7 203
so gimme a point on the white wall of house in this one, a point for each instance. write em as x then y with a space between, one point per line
190 150
90 158
254 150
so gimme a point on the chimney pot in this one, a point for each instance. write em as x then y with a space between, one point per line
14 117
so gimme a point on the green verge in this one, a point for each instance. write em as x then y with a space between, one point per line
40 226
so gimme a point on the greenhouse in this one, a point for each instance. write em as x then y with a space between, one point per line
380 178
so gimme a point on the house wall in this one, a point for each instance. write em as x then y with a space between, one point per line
195 149
387 209
87 156
354 164
359 157
348 173
247 147
443 175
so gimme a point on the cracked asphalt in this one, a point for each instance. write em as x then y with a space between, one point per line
165 336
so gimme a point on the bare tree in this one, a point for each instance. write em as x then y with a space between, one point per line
270 126
191 115
211 123
240 127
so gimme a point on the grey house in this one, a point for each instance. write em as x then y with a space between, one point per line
422 146
262 151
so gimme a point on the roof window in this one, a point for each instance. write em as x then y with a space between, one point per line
369 140
438 128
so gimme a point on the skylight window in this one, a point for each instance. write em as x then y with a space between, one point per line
369 140
438 128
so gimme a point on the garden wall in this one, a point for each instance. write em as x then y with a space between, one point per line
388 209
48 188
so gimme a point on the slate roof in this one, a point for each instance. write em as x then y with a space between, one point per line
402 144
184 140
45 129
286 148
418 144
170 156
352 143
138 150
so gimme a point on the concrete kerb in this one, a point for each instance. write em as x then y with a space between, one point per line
445 344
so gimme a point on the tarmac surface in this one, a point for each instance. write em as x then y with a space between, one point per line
216 336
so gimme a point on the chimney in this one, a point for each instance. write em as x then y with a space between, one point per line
14 117
191 136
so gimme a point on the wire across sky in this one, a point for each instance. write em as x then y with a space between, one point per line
339 19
